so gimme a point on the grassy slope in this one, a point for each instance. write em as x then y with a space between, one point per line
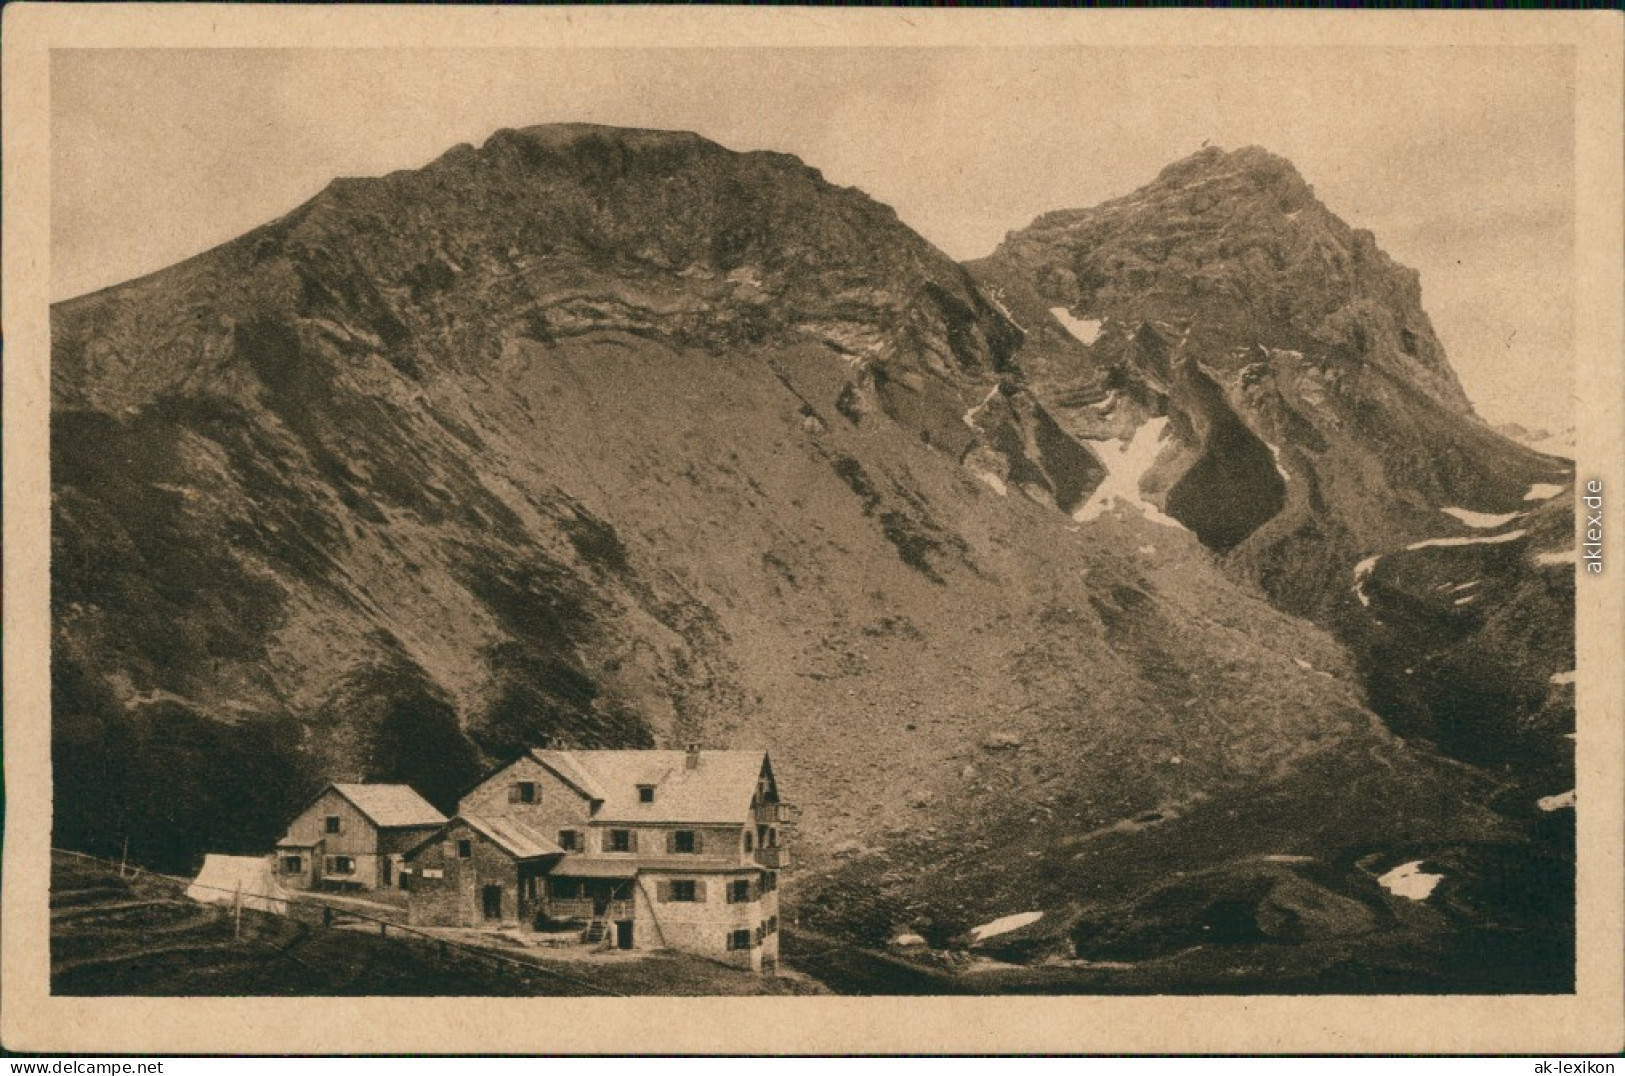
140 937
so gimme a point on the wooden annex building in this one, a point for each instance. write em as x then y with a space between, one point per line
354 836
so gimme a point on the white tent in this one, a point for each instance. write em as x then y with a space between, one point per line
226 879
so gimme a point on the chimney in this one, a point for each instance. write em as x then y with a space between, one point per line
691 759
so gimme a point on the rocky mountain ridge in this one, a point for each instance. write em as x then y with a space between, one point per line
1313 423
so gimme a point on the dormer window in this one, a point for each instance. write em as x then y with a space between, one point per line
522 792
646 793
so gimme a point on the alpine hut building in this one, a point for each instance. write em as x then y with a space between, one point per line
640 849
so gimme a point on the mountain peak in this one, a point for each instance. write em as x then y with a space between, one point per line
596 137
1212 188
596 152
1210 161
554 224
573 133
1231 179
1235 245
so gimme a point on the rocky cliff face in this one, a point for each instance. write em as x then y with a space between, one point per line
1313 425
625 438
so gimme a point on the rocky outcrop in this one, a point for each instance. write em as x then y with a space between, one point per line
548 235
1313 419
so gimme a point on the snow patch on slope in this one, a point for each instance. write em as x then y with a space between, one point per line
1011 318
1085 329
1362 572
1489 539
1279 469
969 417
1004 925
1410 881
1482 520
1542 491
1557 802
994 482
1566 556
1124 470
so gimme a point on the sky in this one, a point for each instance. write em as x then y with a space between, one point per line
1460 160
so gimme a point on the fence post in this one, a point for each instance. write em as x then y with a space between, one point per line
327 915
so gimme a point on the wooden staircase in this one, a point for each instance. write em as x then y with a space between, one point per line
600 930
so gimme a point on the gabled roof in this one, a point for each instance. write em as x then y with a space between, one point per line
719 789
566 765
289 842
391 806
515 838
